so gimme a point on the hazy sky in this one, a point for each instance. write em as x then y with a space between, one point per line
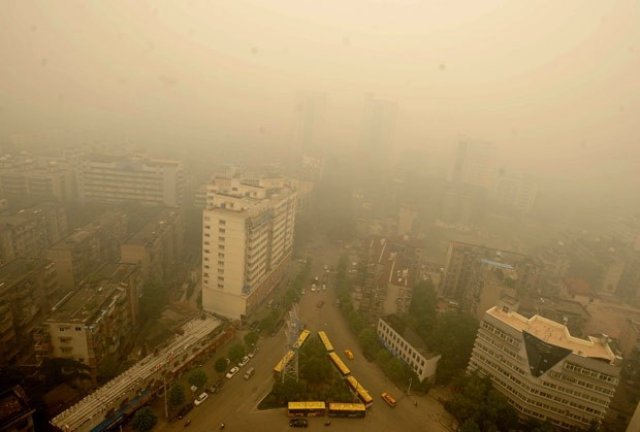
541 79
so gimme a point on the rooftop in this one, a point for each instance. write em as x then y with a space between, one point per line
83 305
82 233
555 334
153 228
408 334
17 269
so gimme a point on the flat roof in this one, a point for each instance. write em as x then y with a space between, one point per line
554 333
17 269
153 228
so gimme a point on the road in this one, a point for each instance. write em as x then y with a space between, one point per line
236 404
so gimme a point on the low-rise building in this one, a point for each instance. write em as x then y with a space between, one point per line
545 372
120 178
157 246
28 232
405 344
87 248
16 412
33 184
28 288
96 320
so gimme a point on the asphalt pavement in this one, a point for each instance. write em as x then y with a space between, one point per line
236 404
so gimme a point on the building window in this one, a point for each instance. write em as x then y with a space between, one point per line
221 286
220 255
221 247
206 275
222 230
207 243
221 239
220 263
78 328
222 222
220 279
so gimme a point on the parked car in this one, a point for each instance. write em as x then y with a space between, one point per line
390 400
234 370
298 422
243 362
184 411
249 373
349 354
200 399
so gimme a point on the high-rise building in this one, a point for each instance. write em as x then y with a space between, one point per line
248 229
111 179
309 115
517 191
378 128
32 184
474 164
470 268
545 372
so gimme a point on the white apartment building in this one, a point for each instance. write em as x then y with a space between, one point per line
545 372
409 348
108 179
248 228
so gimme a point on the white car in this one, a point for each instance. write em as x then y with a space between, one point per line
313 288
324 287
234 370
200 399
243 362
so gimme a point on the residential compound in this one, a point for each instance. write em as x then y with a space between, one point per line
475 275
29 232
96 320
544 371
16 412
28 289
390 269
81 252
248 228
157 245
31 183
405 344
111 179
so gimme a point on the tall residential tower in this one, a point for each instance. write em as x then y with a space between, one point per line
248 229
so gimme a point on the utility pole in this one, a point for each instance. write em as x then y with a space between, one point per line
166 403
409 388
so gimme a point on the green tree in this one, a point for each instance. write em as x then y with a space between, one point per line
236 352
251 338
453 337
144 420
470 426
197 377
422 311
220 365
154 299
369 342
176 396
315 370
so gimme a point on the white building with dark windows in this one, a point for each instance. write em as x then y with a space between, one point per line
248 228
405 344
544 371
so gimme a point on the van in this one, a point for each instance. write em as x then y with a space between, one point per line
249 373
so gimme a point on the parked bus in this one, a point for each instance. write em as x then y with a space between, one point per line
279 367
325 341
339 364
306 409
363 394
346 410
301 339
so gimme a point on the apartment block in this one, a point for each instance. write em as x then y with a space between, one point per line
248 229
470 269
28 232
157 246
33 184
405 344
518 191
545 372
28 289
96 320
112 179
84 250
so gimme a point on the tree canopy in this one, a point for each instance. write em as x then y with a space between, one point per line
144 420
197 377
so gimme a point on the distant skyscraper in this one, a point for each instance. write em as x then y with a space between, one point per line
376 146
309 117
474 164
